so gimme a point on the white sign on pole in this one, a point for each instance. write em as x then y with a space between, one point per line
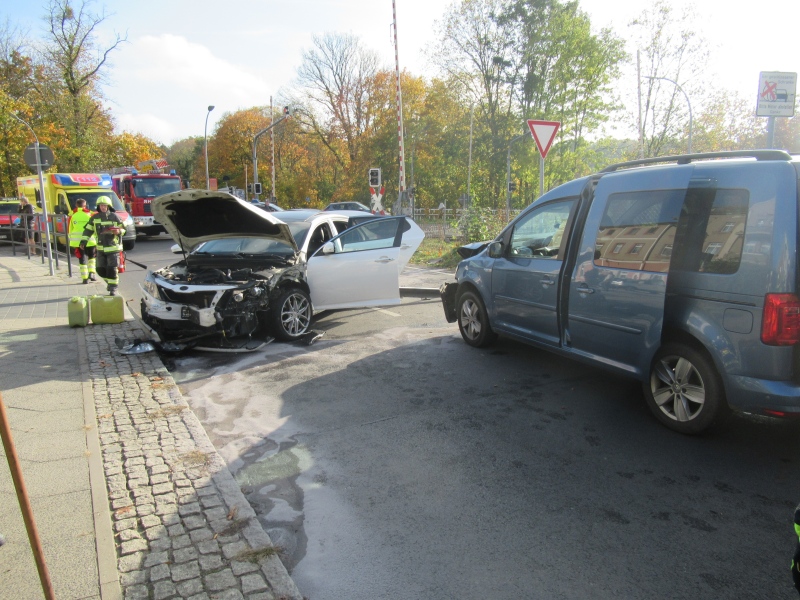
776 94
543 132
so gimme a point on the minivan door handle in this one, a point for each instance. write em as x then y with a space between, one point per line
384 259
547 281
583 289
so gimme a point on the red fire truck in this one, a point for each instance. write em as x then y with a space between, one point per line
137 188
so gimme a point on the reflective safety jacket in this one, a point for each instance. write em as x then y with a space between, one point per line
98 225
796 557
76 225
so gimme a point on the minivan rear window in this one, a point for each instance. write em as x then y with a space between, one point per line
710 235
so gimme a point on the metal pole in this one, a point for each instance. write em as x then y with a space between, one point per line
541 175
639 96
508 174
205 143
272 144
469 165
402 194
255 146
41 191
685 95
771 132
24 501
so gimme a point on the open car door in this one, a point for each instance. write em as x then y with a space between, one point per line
361 266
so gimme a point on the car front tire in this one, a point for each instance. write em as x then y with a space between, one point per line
684 391
291 315
128 245
473 320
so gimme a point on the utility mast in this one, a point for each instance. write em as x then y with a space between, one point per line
402 197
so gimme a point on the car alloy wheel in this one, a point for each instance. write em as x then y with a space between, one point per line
683 390
292 314
473 322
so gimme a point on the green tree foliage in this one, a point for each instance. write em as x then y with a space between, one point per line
671 49
500 62
74 64
529 59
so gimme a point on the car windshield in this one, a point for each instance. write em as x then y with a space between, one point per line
150 188
8 208
91 199
299 231
235 246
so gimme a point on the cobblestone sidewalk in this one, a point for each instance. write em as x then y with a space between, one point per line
183 527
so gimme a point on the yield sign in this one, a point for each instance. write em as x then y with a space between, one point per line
543 132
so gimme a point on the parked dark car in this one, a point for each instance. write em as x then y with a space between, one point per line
347 206
679 271
271 207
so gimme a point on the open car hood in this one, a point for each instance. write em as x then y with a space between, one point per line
192 217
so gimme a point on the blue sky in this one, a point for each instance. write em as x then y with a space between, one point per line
183 55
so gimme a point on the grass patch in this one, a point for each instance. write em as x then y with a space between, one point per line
236 526
256 556
167 411
436 252
196 458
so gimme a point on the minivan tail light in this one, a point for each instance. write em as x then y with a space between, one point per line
781 323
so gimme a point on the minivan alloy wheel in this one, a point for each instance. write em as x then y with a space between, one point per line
473 321
678 388
684 391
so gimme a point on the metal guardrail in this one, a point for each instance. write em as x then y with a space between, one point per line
19 235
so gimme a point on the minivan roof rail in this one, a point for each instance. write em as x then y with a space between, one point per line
684 159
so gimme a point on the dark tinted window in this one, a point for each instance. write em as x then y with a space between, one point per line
710 235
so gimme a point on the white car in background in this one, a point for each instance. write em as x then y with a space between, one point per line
250 274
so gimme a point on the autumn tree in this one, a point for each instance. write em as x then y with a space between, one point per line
74 63
672 54
183 154
335 83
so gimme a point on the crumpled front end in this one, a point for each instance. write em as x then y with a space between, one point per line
183 304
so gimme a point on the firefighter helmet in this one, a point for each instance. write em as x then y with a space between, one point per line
104 200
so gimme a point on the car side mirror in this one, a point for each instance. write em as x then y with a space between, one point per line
328 248
176 249
495 249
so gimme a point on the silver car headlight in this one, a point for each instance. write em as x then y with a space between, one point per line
151 288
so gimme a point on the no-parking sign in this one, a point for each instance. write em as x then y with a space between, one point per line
776 94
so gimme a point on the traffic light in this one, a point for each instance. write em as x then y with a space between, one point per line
375 178
249 188
286 110
512 186
256 188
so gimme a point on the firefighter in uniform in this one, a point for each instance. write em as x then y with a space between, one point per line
108 230
86 257
796 558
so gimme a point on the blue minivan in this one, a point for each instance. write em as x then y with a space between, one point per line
678 271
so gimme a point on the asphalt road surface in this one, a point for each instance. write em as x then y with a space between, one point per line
390 460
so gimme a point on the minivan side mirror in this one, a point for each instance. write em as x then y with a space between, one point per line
495 249
328 248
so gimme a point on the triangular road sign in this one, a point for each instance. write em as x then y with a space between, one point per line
543 132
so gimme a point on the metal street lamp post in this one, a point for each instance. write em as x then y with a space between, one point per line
205 143
41 191
508 174
685 95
